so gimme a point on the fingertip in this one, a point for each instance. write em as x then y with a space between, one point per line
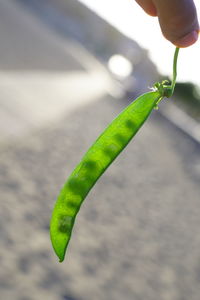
152 11
187 40
148 7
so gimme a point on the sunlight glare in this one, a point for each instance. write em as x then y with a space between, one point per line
120 66
128 17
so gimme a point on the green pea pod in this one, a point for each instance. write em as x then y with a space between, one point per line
97 159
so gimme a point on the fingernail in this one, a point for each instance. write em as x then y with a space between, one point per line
188 39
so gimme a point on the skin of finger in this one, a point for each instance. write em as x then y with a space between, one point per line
148 7
177 18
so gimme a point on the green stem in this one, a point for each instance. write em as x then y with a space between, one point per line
166 89
174 70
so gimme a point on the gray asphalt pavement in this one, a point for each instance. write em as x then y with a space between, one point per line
137 234
42 75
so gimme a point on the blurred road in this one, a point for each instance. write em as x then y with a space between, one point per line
41 73
137 234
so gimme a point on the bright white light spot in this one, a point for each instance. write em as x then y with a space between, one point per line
120 66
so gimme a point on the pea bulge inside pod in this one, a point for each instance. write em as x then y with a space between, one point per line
93 164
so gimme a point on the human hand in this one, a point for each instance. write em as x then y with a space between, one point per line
177 18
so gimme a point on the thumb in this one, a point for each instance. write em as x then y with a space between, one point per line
178 21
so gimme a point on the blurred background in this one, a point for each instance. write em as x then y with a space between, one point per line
67 68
